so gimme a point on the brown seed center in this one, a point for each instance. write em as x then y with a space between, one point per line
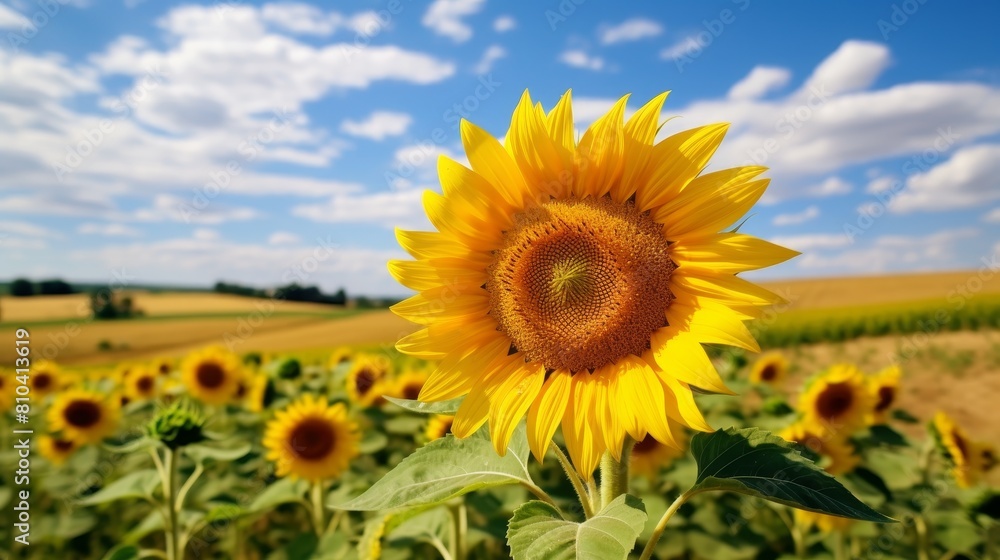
579 284
62 444
82 414
144 384
42 381
411 391
364 381
647 445
835 400
312 439
886 396
769 373
210 375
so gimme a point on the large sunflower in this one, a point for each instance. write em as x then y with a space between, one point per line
576 281
311 439
56 449
770 368
84 416
838 401
212 375
367 379
884 387
836 454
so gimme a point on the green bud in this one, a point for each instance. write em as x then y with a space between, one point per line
177 425
290 369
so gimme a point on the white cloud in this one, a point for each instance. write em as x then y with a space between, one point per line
108 230
854 66
993 216
927 252
26 228
812 241
491 55
881 184
444 17
10 19
173 208
971 177
418 162
402 208
580 59
759 82
831 186
796 218
283 238
306 19
684 47
630 30
504 23
378 125
205 234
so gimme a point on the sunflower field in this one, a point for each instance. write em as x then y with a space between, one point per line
566 396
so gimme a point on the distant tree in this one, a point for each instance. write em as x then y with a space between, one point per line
54 287
22 288
105 304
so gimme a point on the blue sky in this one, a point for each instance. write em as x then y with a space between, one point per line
181 143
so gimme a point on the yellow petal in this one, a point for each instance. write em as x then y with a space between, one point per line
475 409
712 324
471 194
681 406
560 124
599 157
579 428
681 356
427 275
433 245
729 252
457 372
438 340
725 288
511 401
607 411
547 411
429 307
535 152
711 202
640 133
642 390
679 159
489 159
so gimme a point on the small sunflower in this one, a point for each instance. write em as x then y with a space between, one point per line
339 356
836 452
839 401
84 416
366 380
260 392
141 384
574 279
57 449
311 439
163 367
649 456
770 368
408 385
212 375
884 387
825 523
969 459
438 426
44 379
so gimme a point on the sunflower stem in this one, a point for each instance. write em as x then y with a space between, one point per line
461 527
581 490
647 552
170 464
614 474
316 495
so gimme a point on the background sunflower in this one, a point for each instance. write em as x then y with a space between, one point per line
311 439
212 375
84 416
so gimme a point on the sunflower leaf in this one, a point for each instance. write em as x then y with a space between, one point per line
201 453
281 492
537 532
757 463
445 468
443 407
138 484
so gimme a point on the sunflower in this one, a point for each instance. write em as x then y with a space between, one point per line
839 401
408 385
650 456
969 459
339 356
259 393
84 416
141 384
836 453
212 375
438 426
311 439
162 366
57 449
366 379
825 523
884 387
45 378
576 281
770 368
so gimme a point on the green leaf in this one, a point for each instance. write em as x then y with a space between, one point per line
122 552
538 532
445 468
137 444
372 442
757 463
887 436
223 512
904 416
200 453
281 492
139 484
443 407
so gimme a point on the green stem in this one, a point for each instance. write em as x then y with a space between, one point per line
647 552
182 493
539 493
170 464
316 494
799 538
574 478
461 528
920 525
840 546
614 474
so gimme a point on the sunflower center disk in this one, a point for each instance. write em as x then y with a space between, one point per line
581 283
312 439
82 414
835 400
210 375
886 396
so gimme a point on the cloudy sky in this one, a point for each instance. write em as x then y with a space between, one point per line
180 143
